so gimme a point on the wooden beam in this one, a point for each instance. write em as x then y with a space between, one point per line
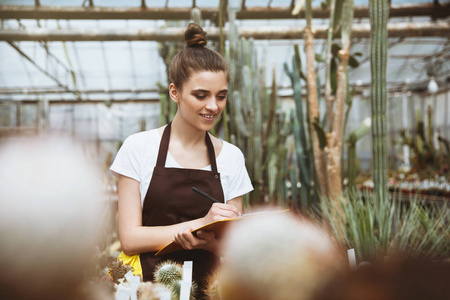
58 90
81 101
409 29
176 13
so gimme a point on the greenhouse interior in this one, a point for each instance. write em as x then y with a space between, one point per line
337 114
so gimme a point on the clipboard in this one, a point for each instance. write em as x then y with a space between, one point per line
218 227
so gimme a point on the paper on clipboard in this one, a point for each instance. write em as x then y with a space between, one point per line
218 227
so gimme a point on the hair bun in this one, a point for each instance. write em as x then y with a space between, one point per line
195 36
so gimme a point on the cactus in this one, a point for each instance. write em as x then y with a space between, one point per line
313 107
212 291
255 124
378 13
170 275
425 152
302 147
196 16
354 136
117 269
167 50
168 272
175 289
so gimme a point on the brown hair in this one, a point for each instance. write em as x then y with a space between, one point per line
195 57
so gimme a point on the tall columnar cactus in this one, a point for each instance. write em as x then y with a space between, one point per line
255 124
167 50
302 147
379 11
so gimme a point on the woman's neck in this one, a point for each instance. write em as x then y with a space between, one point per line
185 133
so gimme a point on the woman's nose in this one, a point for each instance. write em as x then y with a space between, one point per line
212 104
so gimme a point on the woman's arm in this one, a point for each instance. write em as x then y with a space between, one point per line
136 238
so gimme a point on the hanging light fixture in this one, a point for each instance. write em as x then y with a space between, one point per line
432 86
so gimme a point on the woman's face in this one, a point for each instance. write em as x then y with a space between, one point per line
202 99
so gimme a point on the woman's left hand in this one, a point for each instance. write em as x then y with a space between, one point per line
204 240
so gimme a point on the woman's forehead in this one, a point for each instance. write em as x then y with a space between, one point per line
207 80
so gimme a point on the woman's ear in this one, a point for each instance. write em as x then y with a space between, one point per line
174 93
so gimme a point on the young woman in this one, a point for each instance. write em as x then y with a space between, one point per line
158 168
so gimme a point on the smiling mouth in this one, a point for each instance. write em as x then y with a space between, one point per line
208 116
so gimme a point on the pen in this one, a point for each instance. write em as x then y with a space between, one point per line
203 194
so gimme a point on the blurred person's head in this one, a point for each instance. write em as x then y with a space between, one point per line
397 278
276 257
50 211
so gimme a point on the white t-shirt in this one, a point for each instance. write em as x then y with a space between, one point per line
137 158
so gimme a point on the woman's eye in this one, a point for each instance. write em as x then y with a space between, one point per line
222 97
200 96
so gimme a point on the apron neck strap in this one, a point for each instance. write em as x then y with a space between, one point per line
164 148
211 153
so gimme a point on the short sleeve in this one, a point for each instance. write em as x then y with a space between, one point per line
240 182
127 161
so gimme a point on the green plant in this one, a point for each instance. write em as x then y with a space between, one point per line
376 229
301 138
327 143
167 50
426 155
168 272
255 125
170 275
378 12
175 289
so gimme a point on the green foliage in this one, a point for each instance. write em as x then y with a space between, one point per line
167 50
256 126
300 168
378 229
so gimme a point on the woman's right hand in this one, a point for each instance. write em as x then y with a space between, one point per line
220 211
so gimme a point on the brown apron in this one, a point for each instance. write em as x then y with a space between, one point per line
170 200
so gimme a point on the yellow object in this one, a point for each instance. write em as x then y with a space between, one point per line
132 261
